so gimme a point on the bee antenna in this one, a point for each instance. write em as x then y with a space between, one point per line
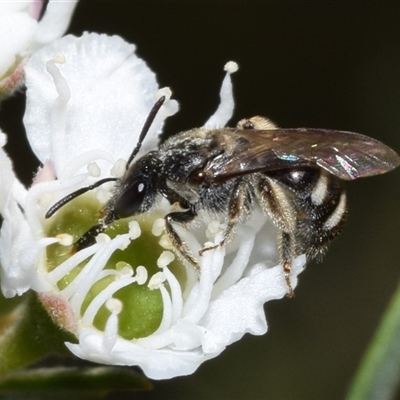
75 194
149 120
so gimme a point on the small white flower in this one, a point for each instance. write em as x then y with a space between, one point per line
127 298
21 33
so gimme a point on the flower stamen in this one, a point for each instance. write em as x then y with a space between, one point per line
111 329
165 259
106 294
84 281
68 265
134 230
94 169
59 109
119 168
156 280
158 227
176 295
141 275
167 310
239 264
224 111
64 239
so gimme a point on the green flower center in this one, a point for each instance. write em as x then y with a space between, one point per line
142 309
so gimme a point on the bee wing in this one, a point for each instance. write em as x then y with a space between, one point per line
346 155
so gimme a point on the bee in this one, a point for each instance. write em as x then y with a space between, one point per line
295 176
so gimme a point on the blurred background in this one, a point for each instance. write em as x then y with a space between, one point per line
315 64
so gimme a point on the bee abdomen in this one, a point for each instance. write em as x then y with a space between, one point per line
317 202
321 215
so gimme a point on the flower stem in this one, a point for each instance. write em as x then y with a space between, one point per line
379 373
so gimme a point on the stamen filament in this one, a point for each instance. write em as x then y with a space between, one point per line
167 311
68 265
101 298
224 111
58 111
84 281
176 295
84 159
239 264
110 332
199 298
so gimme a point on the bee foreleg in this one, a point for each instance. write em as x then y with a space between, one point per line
178 244
89 238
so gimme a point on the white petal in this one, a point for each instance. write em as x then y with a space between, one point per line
16 30
21 34
7 175
19 249
15 235
54 22
239 309
111 94
156 364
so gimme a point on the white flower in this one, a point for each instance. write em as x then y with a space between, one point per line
21 33
126 298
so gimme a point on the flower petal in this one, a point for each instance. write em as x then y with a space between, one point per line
156 364
245 302
54 23
16 30
110 98
19 249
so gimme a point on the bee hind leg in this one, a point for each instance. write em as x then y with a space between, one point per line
277 204
286 249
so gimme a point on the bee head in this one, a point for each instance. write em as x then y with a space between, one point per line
137 190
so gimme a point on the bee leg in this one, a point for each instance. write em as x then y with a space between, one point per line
277 204
238 211
178 244
89 238
286 248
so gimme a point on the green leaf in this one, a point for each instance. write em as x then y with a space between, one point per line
79 382
27 334
378 376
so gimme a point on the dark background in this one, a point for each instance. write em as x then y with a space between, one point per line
316 64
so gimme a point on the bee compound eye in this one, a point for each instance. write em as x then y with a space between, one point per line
130 201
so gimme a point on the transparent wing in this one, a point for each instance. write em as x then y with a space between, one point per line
346 155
